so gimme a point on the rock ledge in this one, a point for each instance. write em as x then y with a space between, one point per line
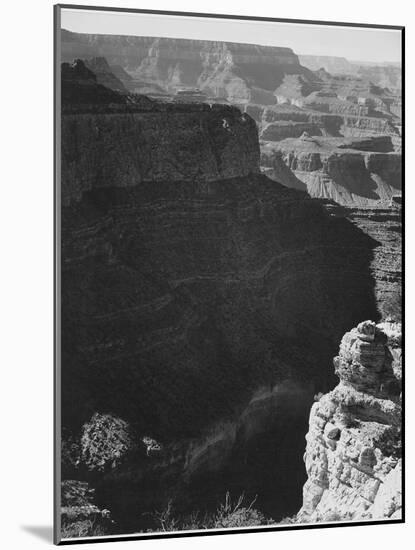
353 453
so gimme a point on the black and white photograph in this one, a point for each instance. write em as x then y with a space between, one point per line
229 283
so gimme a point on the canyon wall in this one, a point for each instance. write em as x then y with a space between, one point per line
185 290
238 72
353 454
210 270
351 172
193 289
330 63
166 143
284 97
385 75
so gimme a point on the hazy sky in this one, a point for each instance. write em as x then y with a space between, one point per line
354 44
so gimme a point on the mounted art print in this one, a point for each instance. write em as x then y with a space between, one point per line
228 274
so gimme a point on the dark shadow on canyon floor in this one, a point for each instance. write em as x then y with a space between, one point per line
176 368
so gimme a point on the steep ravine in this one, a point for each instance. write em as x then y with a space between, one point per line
226 294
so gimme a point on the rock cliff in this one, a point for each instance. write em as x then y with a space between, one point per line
384 225
330 63
208 267
284 97
164 142
104 75
238 72
385 75
349 171
353 453
217 280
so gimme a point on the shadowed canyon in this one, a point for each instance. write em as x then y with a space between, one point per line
228 215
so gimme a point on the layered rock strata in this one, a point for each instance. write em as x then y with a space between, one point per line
387 75
208 268
237 72
190 280
353 453
285 98
164 142
351 172
384 226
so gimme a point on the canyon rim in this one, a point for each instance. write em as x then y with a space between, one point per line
229 233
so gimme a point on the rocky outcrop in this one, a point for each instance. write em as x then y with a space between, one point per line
353 453
279 122
384 225
282 130
104 75
164 142
80 86
338 168
364 126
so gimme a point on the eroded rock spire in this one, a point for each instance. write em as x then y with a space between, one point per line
353 453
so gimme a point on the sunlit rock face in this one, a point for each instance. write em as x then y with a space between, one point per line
353 453
330 63
235 72
284 97
350 171
385 75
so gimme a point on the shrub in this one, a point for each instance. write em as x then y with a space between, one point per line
70 454
290 520
231 515
165 519
105 442
82 528
228 515
243 517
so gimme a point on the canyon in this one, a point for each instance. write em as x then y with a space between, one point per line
387 75
286 94
235 240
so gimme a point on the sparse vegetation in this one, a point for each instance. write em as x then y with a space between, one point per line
231 515
227 516
290 520
70 454
83 528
